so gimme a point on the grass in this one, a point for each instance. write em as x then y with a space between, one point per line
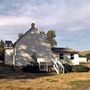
30 81
80 85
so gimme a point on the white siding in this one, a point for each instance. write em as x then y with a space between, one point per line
8 56
67 59
32 42
82 59
75 61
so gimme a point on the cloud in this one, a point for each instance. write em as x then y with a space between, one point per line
72 15
14 21
67 17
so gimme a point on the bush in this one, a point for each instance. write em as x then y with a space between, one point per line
68 68
80 68
30 68
34 57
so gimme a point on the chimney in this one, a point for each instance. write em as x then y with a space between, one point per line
32 25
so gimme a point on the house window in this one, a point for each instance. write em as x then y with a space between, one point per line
10 45
72 56
61 56
42 65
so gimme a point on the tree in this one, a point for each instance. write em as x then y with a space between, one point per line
88 56
51 37
2 43
2 50
34 57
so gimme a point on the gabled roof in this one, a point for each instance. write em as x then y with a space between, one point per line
32 28
21 37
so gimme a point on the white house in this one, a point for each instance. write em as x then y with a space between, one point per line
8 52
35 41
66 55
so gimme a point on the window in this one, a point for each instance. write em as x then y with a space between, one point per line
43 65
72 56
61 56
9 45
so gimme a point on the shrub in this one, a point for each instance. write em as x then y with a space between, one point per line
68 68
30 68
34 57
80 68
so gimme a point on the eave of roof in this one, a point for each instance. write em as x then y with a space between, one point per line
63 50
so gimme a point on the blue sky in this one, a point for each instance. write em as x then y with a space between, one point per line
69 18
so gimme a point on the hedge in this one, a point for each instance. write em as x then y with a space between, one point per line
80 68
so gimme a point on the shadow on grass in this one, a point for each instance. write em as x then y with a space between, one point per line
6 72
15 75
